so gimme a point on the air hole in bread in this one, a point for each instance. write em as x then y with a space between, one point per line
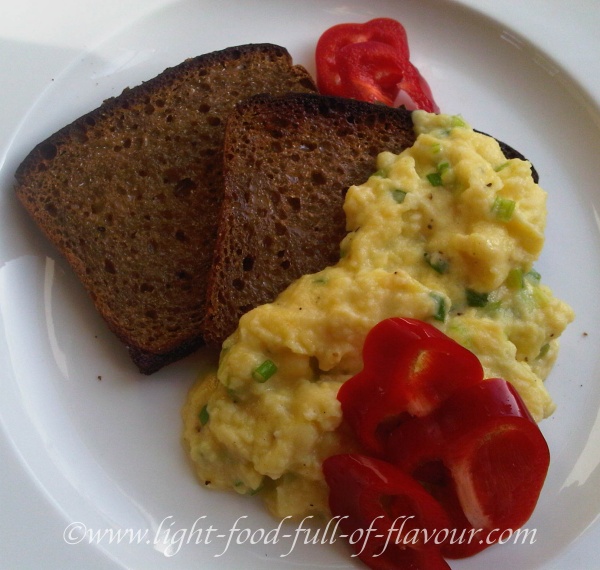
294 203
285 264
238 284
146 288
317 177
308 146
184 187
151 314
51 209
109 266
344 132
213 121
280 229
48 151
248 263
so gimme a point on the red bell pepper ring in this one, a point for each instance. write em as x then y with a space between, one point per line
410 367
386 515
371 62
495 456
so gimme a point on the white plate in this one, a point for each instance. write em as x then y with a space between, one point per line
85 439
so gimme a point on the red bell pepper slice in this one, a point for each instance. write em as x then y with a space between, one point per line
410 367
371 62
358 66
495 458
383 30
387 516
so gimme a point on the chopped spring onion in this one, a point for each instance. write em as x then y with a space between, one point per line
203 415
435 178
533 276
440 310
476 299
457 121
543 351
263 372
503 208
514 279
442 167
437 262
398 195
501 167
381 173
435 148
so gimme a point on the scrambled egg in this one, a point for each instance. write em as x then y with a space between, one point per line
446 232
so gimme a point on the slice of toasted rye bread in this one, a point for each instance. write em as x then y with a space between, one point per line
130 193
288 162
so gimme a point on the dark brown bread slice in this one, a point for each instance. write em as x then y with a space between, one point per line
130 193
288 162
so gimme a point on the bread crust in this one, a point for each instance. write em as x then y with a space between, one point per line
130 193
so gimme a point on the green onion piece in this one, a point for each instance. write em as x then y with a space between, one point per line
503 208
476 299
514 279
435 148
203 415
398 195
437 263
457 121
533 276
381 173
543 351
493 306
442 167
263 372
435 178
501 167
320 280
440 310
